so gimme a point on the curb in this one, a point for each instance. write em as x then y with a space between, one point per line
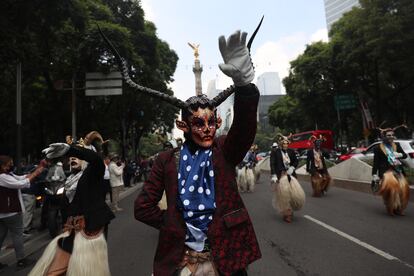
358 186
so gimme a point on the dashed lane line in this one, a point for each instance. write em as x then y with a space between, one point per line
359 242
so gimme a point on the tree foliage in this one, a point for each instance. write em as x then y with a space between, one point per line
57 41
370 55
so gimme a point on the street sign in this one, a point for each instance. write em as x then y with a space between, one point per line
345 101
99 84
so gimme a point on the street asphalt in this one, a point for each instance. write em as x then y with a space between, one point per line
343 233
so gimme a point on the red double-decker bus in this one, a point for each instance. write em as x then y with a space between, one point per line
301 141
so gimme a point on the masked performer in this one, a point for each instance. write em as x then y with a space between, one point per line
81 250
289 195
206 229
246 178
388 171
316 166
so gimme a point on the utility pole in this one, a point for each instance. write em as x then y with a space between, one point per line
19 114
73 108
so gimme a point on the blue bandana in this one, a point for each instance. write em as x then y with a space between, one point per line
196 192
392 160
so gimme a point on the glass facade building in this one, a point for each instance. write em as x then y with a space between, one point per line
334 9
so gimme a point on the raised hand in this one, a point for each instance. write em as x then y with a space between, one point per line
237 62
56 150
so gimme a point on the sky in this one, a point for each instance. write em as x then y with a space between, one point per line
287 27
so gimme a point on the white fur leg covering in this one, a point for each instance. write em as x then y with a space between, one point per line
281 198
288 195
242 179
89 256
250 179
297 194
45 261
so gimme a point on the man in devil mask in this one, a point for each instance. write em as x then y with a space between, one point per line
205 229
388 173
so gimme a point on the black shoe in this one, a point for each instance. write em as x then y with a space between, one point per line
23 263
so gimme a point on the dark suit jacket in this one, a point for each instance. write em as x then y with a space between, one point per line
231 235
310 162
277 166
381 164
88 200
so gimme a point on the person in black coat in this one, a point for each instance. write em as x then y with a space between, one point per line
288 194
83 241
284 161
316 167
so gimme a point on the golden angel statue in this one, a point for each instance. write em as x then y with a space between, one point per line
195 48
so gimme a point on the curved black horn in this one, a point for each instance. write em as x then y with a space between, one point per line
125 74
249 44
217 100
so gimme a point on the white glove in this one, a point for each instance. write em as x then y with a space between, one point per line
237 62
398 154
56 150
375 178
274 178
290 170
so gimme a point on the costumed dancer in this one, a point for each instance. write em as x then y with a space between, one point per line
81 249
256 169
246 172
316 166
387 171
206 229
288 194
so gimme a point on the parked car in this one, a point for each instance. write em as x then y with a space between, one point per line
262 155
406 145
351 153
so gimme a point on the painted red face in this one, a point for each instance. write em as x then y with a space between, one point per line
203 127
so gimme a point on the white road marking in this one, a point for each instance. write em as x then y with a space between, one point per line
359 242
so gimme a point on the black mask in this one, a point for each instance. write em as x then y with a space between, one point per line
11 169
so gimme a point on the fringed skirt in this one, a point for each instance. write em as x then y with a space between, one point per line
246 179
89 256
320 183
288 195
395 192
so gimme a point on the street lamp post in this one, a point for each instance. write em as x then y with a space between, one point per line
73 108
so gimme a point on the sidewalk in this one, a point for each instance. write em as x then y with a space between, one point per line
38 239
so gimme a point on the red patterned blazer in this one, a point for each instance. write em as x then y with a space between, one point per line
231 235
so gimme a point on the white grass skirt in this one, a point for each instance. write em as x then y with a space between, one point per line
89 256
288 195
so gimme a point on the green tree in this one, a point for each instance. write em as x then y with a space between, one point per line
370 56
59 40
309 100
